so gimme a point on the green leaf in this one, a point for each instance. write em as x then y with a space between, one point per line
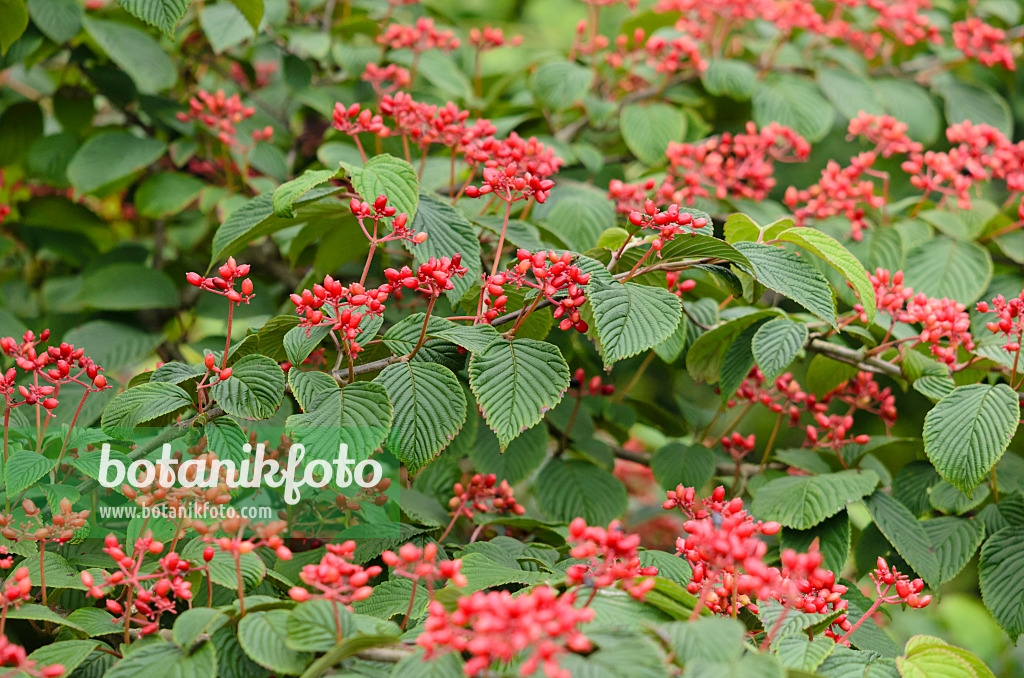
849 92
225 27
190 624
68 653
164 14
839 258
801 502
560 84
94 621
358 415
705 358
222 567
263 636
24 469
927 656
312 626
955 541
252 10
515 382
139 55
793 102
166 194
647 130
403 336
141 404
254 390
128 287
729 77
299 342
977 103
677 464
309 388
577 213
845 662
967 432
14 24
632 318
1001 577
448 232
791 276
430 408
776 343
906 534
59 20
796 652
387 175
169 659
569 489
944 267
287 193
522 456
474 338
109 157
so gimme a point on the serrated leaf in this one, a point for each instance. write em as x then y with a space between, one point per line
139 55
515 382
944 267
164 14
254 390
799 653
791 276
358 415
906 534
560 84
312 626
740 228
403 336
632 318
141 404
59 20
68 653
729 77
429 406
171 659
111 156
252 10
1001 577
309 388
839 258
802 502
387 175
795 103
647 130
474 338
299 342
263 636
955 541
569 489
677 464
833 535
776 344
521 458
287 193
706 355
967 432
448 232
845 662
23 469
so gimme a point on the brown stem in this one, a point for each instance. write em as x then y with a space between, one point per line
423 330
412 601
227 343
240 584
771 440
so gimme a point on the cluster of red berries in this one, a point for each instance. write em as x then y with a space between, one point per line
224 282
484 494
56 366
346 307
629 197
220 114
531 157
261 70
885 578
610 557
422 566
553 274
60 529
738 446
232 539
152 592
594 386
668 223
377 213
679 286
491 37
942 320
422 36
432 278
336 577
829 431
510 185
659 56
14 656
386 79
1009 319
730 165
540 625
984 42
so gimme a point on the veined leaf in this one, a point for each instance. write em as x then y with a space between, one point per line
802 502
141 404
839 258
254 390
906 534
358 415
776 344
567 489
791 276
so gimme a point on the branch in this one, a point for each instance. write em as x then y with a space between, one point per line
853 357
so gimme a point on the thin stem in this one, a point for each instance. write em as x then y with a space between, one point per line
240 584
497 260
455 516
871 610
635 378
711 424
71 428
771 440
423 330
412 601
227 342
572 422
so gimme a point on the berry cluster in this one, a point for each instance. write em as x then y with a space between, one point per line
384 80
730 165
737 446
491 37
60 528
150 593
220 114
553 274
679 286
420 37
510 185
432 278
629 197
610 556
336 577
345 307
668 223
422 566
484 494
14 656
981 41
639 61
594 386
531 157
907 592
1009 319
541 625
224 282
